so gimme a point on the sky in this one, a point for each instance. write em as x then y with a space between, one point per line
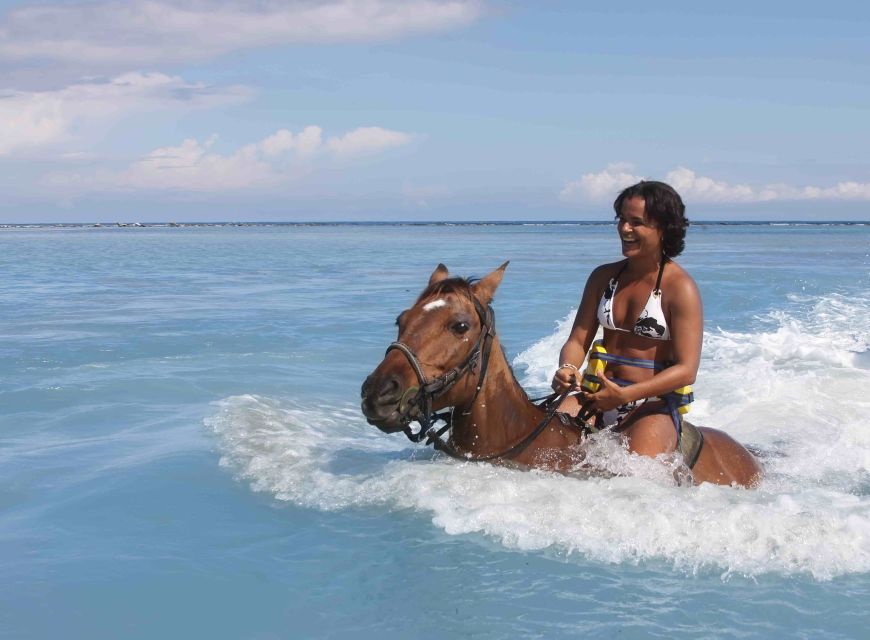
359 110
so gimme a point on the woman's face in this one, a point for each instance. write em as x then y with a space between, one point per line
639 235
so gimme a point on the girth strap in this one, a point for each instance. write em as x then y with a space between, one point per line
641 363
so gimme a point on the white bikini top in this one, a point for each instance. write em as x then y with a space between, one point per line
650 324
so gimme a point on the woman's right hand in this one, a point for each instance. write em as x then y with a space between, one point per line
565 379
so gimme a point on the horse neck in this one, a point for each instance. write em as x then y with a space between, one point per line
501 415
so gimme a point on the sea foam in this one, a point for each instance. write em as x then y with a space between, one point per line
794 390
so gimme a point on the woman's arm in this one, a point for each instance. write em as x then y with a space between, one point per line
582 332
686 321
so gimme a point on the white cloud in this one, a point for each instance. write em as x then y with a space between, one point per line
190 166
194 166
33 119
367 140
153 31
602 185
606 185
306 142
702 189
849 190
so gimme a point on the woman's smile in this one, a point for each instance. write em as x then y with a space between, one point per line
636 231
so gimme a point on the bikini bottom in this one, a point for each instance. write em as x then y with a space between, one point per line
613 418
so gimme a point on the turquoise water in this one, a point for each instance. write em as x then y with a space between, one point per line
182 454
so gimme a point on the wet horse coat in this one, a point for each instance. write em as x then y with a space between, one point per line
491 413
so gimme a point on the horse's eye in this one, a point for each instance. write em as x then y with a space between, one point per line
460 327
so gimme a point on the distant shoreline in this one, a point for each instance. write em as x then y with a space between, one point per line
456 223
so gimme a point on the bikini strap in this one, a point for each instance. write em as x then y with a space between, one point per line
658 288
619 273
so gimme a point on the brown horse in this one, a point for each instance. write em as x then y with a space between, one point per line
447 355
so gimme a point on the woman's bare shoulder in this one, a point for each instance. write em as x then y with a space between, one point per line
598 279
604 272
678 282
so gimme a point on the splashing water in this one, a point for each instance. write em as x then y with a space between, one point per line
794 390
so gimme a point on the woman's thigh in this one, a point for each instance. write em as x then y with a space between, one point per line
651 434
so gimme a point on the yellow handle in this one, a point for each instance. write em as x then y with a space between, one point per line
595 371
594 368
684 409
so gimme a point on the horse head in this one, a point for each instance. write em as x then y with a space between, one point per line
442 338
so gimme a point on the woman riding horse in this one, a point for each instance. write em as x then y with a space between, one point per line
448 358
650 310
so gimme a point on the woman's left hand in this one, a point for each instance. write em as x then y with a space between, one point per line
608 397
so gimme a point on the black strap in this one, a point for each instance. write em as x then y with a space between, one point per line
428 390
488 319
615 279
401 346
519 447
658 288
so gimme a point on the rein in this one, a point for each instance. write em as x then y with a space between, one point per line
429 390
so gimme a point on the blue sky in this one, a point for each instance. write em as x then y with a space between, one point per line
430 110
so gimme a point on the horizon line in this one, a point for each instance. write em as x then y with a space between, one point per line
193 223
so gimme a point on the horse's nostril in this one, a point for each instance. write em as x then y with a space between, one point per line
390 391
383 392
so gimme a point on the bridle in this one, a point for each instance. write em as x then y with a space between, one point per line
428 390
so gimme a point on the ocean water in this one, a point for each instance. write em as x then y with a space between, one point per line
182 453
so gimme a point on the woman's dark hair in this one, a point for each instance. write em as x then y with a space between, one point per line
664 206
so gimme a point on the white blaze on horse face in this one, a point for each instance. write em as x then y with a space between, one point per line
435 304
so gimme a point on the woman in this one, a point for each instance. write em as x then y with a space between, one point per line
651 312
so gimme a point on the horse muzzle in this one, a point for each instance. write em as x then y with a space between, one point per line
384 403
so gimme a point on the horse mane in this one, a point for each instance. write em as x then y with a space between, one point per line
449 285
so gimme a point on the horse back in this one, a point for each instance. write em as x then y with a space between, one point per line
723 460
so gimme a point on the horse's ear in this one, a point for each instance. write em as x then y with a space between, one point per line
485 288
439 274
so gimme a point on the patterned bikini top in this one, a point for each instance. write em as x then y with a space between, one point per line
650 324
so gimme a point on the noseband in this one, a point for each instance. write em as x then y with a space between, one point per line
429 390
